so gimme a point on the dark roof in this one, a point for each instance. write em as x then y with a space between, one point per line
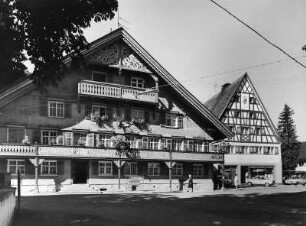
302 155
219 102
206 119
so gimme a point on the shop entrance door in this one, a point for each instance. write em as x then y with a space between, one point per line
244 172
80 171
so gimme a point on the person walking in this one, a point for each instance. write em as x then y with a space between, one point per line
190 183
236 181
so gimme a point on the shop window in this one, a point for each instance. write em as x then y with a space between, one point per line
174 120
177 169
48 167
137 114
13 165
56 109
48 137
130 168
98 110
16 134
137 82
105 168
153 169
198 170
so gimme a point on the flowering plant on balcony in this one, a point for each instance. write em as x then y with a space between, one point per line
124 147
100 120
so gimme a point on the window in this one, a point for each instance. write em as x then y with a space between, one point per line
237 114
168 144
253 150
154 142
153 169
177 169
132 140
130 168
56 109
137 114
252 100
174 120
137 82
68 138
105 141
16 134
266 150
49 167
105 168
13 165
198 170
237 99
99 76
79 139
245 130
144 143
276 150
48 137
177 145
99 110
188 145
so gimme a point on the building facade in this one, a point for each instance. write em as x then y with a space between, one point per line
69 135
255 147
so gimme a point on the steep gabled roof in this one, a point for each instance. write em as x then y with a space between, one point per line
209 121
218 103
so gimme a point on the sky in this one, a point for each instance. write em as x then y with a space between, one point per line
203 47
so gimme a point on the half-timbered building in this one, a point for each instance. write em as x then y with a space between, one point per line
66 135
255 147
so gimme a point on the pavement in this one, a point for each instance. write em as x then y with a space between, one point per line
272 206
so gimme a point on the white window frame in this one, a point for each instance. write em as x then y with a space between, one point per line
16 166
137 82
154 143
137 114
174 120
46 164
153 169
48 136
177 169
107 167
59 109
128 168
16 127
99 107
198 170
105 140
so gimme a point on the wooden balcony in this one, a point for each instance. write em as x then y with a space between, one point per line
102 89
100 153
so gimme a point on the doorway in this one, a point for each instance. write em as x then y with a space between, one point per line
244 173
80 171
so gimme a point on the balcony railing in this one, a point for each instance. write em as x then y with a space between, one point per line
102 89
88 152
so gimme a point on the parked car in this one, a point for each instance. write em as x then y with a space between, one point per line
259 180
296 180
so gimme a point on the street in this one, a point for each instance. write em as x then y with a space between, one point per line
252 206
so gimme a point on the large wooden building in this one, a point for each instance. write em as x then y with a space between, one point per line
65 136
255 147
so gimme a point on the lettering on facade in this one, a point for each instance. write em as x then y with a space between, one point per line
216 157
80 152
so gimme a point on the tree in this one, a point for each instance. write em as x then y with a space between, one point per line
45 32
287 132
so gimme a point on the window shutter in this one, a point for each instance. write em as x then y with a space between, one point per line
95 167
60 167
128 114
43 107
36 136
67 110
147 116
88 109
162 116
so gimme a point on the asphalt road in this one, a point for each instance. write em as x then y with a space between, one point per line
252 206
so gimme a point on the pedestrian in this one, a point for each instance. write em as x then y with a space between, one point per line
190 183
236 181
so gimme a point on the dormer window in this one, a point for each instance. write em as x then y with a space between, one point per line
99 76
137 82
174 120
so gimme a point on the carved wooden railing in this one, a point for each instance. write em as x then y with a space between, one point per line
102 89
18 150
